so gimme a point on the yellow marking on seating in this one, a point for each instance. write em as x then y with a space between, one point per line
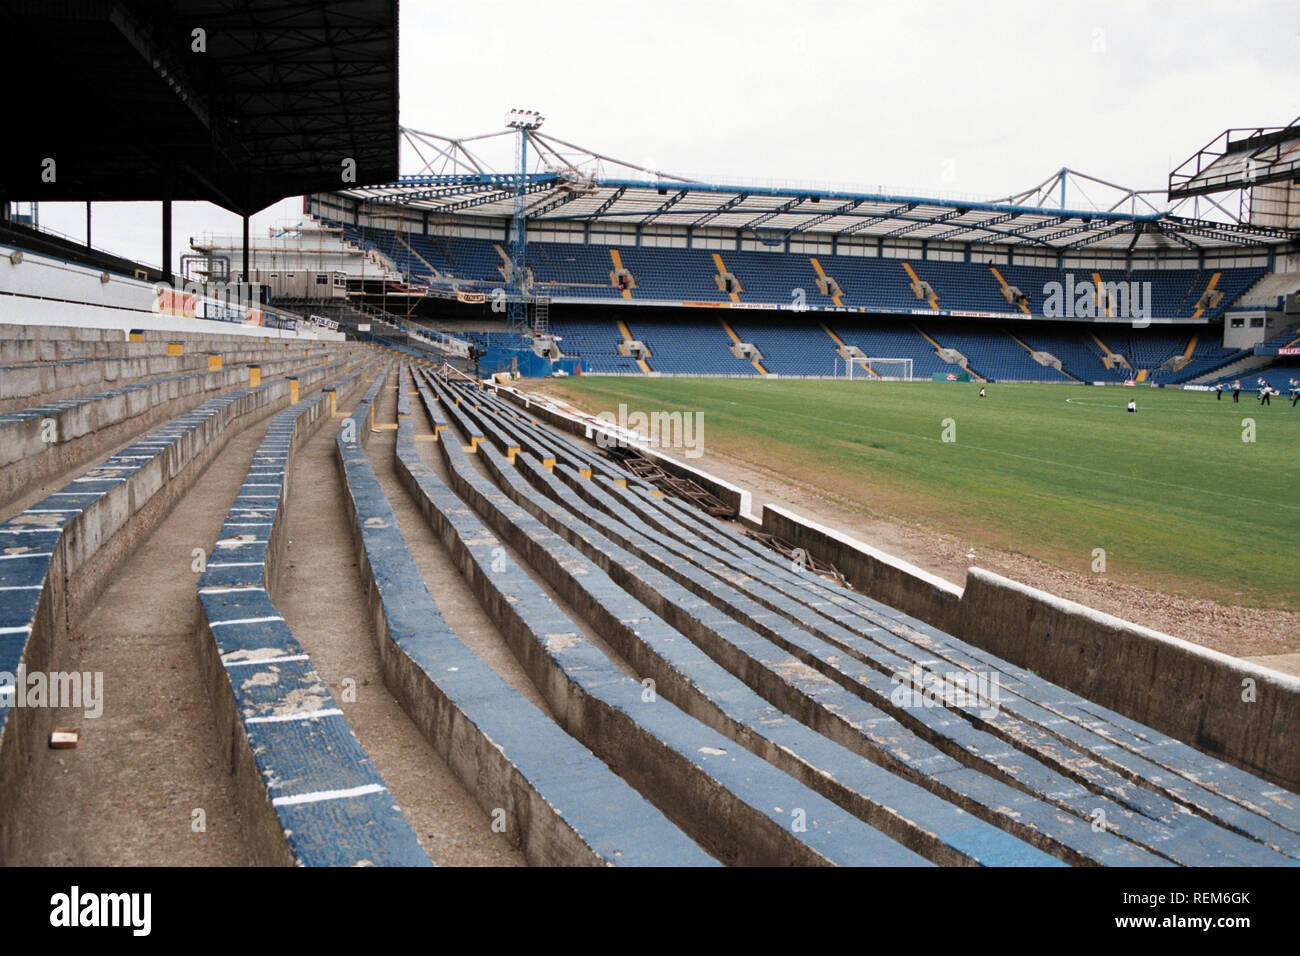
1006 288
254 376
214 362
627 337
722 267
1096 291
293 391
175 348
1141 375
821 274
736 338
548 463
1191 346
585 473
617 259
621 482
1023 345
916 285
657 493
135 336
1214 280
936 345
1104 347
510 454
426 437
385 427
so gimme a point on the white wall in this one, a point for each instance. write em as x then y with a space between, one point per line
41 290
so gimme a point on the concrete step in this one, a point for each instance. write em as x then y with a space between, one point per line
57 556
560 803
42 441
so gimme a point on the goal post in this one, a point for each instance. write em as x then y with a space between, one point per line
884 369
890 369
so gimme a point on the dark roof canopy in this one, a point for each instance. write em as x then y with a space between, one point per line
237 102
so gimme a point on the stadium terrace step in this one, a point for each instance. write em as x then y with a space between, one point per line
1235 798
451 407
908 814
42 441
51 381
309 794
560 803
56 557
27 347
770 669
667 754
546 446
649 635
1081 755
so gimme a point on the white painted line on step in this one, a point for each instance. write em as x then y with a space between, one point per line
268 660
320 795
305 715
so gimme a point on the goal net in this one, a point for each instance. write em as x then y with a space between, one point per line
886 369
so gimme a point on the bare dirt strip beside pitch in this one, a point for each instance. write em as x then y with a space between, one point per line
1243 632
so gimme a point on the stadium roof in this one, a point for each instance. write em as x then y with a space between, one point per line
1238 158
237 103
572 184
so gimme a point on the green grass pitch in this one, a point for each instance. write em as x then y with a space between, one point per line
1173 494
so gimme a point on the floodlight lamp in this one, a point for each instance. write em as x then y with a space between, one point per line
524 119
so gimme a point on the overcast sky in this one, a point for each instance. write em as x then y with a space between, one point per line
919 96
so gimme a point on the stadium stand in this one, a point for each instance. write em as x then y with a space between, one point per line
688 347
873 283
947 304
